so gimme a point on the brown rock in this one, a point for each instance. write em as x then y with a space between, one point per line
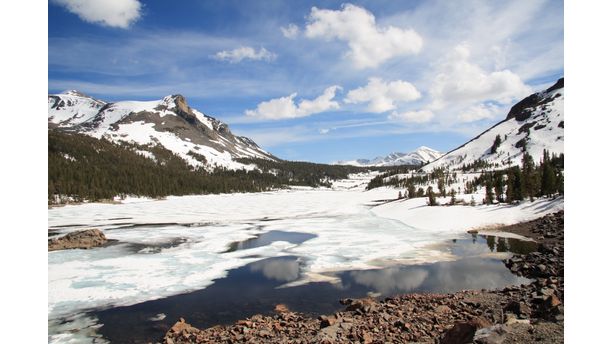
552 301
80 239
280 308
365 305
327 321
463 332
442 309
367 338
518 308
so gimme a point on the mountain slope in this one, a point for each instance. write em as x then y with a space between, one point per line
199 139
532 125
420 155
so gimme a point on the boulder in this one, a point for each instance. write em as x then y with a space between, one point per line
463 332
84 239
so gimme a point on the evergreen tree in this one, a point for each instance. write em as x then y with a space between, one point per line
530 178
496 144
431 197
489 193
441 187
549 182
514 189
420 192
453 199
499 187
412 191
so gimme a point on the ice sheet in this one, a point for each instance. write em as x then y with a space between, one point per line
172 246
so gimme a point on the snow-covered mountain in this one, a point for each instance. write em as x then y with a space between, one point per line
420 155
170 122
533 124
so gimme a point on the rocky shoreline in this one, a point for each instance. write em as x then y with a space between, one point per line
518 314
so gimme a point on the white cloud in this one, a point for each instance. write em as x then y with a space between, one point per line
460 81
285 107
383 96
478 112
421 116
324 131
291 31
239 54
113 13
369 44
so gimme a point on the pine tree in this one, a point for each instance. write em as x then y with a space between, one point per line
441 187
549 182
499 187
420 192
453 199
496 144
431 197
489 193
529 176
514 188
411 191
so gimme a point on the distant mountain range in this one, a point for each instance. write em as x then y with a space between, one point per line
421 155
532 125
199 139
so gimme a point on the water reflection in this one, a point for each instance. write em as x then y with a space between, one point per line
284 270
268 238
483 244
391 279
254 288
467 273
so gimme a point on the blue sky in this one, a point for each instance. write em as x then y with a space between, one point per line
316 80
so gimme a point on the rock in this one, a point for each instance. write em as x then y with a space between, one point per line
511 319
518 308
552 301
327 321
547 291
328 333
541 268
490 335
281 308
246 323
365 305
367 338
443 309
84 239
463 332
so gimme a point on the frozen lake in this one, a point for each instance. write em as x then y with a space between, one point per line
180 245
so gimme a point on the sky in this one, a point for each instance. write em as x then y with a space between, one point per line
316 80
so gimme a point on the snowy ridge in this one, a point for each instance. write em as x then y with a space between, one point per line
420 155
72 108
201 140
532 125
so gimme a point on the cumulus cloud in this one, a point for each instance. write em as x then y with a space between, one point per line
290 31
369 44
113 13
383 96
421 116
285 107
242 53
459 80
478 112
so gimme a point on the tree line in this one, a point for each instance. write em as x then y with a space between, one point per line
81 167
509 185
